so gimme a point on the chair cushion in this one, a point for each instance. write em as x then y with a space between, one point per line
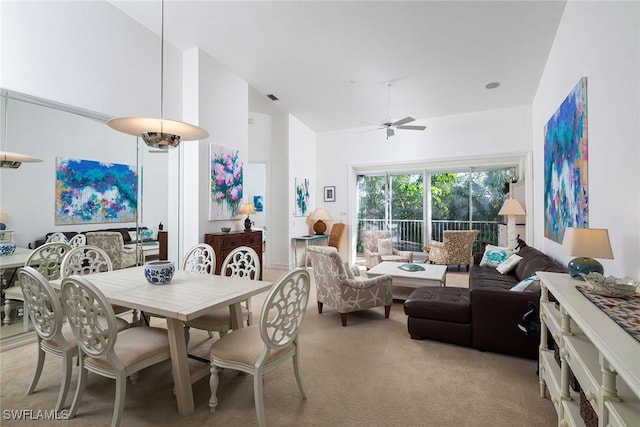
216 320
136 345
244 346
385 247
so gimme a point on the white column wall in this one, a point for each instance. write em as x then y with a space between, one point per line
599 40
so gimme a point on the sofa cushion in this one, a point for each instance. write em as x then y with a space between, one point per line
385 247
529 284
509 265
532 261
495 255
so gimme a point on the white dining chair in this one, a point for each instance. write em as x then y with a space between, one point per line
53 334
200 259
78 240
102 349
90 259
258 349
47 260
243 263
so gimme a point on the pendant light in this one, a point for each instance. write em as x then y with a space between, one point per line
8 159
159 133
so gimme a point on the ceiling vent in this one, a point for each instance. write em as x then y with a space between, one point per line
272 97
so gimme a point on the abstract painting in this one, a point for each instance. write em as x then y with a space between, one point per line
226 171
302 196
566 192
90 192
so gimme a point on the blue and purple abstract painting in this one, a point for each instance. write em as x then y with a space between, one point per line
90 192
566 192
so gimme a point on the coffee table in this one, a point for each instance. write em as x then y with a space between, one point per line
432 275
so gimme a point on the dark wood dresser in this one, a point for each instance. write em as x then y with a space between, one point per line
224 243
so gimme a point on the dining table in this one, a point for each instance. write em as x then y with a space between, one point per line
12 262
187 296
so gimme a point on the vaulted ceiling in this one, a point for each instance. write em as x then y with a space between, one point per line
328 61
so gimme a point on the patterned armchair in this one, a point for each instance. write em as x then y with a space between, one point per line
455 248
341 287
112 243
374 255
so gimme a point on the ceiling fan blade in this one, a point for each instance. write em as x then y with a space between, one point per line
390 133
403 121
412 127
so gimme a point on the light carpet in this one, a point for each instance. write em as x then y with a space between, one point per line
369 373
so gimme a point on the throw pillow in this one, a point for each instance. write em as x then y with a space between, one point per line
385 247
495 255
509 264
530 284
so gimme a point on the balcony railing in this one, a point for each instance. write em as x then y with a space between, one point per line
407 235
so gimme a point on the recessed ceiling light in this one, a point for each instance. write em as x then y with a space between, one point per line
492 85
272 97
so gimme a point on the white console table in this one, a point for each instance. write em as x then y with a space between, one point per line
604 358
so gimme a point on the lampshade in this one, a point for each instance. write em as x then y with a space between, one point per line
319 214
586 244
511 207
247 208
159 133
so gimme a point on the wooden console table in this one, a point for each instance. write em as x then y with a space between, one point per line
604 358
224 243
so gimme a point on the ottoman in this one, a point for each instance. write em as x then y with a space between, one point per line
442 314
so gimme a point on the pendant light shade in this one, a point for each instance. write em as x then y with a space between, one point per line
159 133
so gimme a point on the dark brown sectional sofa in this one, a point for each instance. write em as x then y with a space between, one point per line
486 315
123 230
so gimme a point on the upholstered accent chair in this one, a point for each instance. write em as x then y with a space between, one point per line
335 237
455 248
338 286
112 243
378 247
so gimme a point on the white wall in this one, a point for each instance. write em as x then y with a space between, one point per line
302 164
478 135
599 40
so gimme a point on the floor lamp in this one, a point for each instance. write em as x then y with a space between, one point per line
510 209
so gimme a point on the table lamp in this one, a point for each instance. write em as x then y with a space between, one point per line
247 209
3 218
319 216
510 209
586 244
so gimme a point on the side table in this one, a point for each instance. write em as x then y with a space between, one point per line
316 238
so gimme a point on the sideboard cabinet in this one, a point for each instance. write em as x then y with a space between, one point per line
224 243
602 356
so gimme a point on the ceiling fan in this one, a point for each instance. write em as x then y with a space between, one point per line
398 124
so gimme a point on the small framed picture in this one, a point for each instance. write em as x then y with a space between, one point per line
330 194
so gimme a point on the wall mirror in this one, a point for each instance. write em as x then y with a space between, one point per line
51 131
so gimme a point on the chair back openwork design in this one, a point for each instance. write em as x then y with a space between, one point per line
455 248
373 256
242 262
57 237
78 240
200 259
85 260
335 237
259 349
47 315
338 287
112 243
95 328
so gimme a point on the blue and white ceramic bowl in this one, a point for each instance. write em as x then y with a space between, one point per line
7 248
159 272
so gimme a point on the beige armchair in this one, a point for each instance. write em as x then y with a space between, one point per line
375 253
455 248
112 243
338 286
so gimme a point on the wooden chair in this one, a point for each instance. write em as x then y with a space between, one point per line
46 259
335 237
259 349
104 350
242 262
